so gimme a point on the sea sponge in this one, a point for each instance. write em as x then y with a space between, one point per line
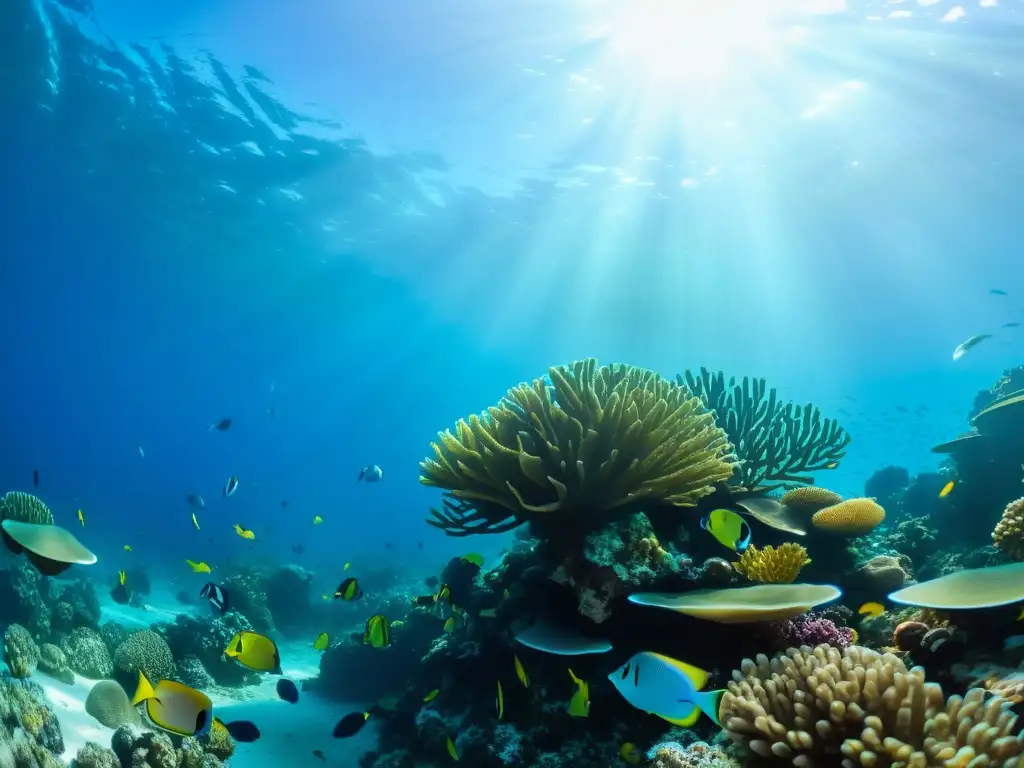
771 565
110 705
87 655
807 707
1009 532
144 651
853 517
777 444
592 445
25 508
810 499
21 654
882 574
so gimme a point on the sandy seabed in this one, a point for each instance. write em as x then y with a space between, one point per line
289 732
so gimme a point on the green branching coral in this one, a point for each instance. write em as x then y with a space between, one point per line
777 444
588 444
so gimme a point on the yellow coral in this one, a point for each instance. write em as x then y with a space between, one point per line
1009 532
805 706
771 565
594 443
853 517
810 499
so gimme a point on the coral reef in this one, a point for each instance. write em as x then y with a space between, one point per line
205 639
25 508
777 444
773 565
53 662
21 654
288 590
886 484
145 749
829 707
1009 531
248 590
29 732
144 651
590 446
696 755
87 654
809 629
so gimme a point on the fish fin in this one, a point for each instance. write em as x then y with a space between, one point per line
698 677
710 703
144 691
691 717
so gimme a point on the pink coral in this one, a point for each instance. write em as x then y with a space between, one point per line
808 629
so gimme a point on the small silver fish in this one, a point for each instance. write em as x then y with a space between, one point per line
371 474
142 453
973 341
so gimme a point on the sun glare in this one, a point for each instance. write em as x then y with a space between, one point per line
682 41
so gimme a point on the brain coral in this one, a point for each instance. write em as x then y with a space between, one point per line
826 707
144 651
853 517
1009 532
771 565
25 508
109 704
589 446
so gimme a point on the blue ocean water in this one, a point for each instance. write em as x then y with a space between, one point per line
344 226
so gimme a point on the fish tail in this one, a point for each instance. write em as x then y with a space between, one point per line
710 702
144 691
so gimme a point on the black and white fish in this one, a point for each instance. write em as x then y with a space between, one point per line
216 595
371 474
230 486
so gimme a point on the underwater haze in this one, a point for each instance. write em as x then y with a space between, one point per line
257 255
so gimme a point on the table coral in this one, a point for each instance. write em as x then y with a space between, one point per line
855 707
773 565
591 445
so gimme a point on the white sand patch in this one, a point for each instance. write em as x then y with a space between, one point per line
68 702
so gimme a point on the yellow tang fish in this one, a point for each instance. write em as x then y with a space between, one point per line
198 567
317 519
321 642
255 651
245 533
451 748
630 753
121 577
174 707
579 704
194 521
499 703
127 547
431 696
946 489
871 609
473 559
449 626
81 517
520 672
729 529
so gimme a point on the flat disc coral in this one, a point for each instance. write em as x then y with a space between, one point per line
743 605
50 548
971 588
774 514
560 641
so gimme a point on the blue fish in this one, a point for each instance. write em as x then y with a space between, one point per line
667 688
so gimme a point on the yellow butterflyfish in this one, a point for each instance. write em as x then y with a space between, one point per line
245 533
199 567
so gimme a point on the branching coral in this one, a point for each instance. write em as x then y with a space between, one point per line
589 446
824 707
777 444
1009 532
771 565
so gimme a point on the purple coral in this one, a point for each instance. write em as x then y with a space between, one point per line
808 629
